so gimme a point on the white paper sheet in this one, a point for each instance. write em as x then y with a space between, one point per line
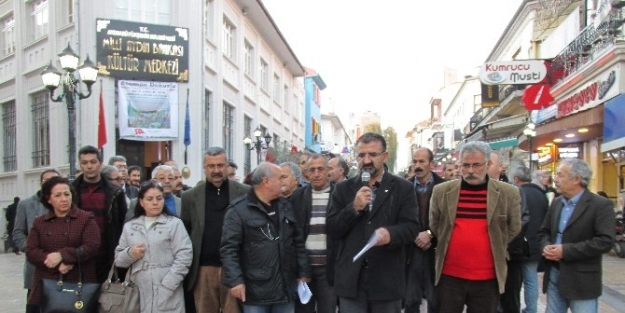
304 292
370 244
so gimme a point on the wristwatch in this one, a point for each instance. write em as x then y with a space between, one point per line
429 234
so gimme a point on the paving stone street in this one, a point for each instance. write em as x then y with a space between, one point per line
13 297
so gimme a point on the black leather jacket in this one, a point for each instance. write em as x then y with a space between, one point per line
253 254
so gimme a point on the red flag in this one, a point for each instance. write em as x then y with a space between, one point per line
101 124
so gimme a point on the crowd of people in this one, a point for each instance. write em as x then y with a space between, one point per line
373 242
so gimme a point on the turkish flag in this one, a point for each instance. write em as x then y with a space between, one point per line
101 124
536 97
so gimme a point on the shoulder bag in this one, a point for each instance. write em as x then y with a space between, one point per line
119 296
61 296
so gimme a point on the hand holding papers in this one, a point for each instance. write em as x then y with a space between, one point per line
304 292
370 244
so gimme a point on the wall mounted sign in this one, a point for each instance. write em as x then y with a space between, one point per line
590 95
140 51
513 72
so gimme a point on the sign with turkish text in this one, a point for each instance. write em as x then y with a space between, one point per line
141 51
147 111
572 151
513 72
599 90
490 95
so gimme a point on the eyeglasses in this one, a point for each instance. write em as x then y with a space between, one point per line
474 165
119 179
372 155
316 169
268 234
213 166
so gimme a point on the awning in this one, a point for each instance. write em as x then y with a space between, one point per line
503 143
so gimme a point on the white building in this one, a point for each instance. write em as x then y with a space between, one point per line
242 75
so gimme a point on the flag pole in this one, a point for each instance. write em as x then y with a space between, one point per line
187 129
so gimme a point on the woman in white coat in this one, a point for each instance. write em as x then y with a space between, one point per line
159 250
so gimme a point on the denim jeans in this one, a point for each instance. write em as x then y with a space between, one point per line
530 286
558 304
288 307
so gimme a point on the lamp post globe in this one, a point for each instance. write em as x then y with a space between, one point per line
53 78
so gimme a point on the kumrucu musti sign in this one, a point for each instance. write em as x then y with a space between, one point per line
522 72
140 51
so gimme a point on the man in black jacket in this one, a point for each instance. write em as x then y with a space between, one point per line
420 271
311 205
537 205
106 201
385 207
263 253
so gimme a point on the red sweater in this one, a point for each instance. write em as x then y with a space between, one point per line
469 255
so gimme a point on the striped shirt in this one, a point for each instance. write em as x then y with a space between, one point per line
316 243
469 255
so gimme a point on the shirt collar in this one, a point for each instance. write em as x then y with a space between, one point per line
573 201
430 180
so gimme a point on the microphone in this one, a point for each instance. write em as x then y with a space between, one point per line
366 177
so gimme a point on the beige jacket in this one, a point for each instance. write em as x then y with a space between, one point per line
504 221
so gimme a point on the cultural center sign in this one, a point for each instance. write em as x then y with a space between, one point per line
139 51
513 72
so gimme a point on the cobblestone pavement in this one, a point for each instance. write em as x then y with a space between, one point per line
13 297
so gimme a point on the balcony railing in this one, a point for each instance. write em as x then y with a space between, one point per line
583 48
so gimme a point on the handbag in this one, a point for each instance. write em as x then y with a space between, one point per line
61 296
119 296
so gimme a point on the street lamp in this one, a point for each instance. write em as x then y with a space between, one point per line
52 78
258 145
529 132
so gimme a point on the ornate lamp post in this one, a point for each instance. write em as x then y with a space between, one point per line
52 78
529 132
258 144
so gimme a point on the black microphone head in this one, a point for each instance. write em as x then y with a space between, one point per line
365 177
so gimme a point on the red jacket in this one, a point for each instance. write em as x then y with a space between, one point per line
62 234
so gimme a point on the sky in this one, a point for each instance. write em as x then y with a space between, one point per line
389 56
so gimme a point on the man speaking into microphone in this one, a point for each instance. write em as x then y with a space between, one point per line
387 205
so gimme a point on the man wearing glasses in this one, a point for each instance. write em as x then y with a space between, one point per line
384 208
474 219
119 161
203 210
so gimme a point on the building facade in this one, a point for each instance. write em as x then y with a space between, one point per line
242 75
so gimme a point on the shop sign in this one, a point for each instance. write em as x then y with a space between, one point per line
544 159
140 51
490 96
590 95
569 152
513 72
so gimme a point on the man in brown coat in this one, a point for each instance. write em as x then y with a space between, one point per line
474 219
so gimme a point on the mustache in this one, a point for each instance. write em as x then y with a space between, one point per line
217 175
471 176
418 170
